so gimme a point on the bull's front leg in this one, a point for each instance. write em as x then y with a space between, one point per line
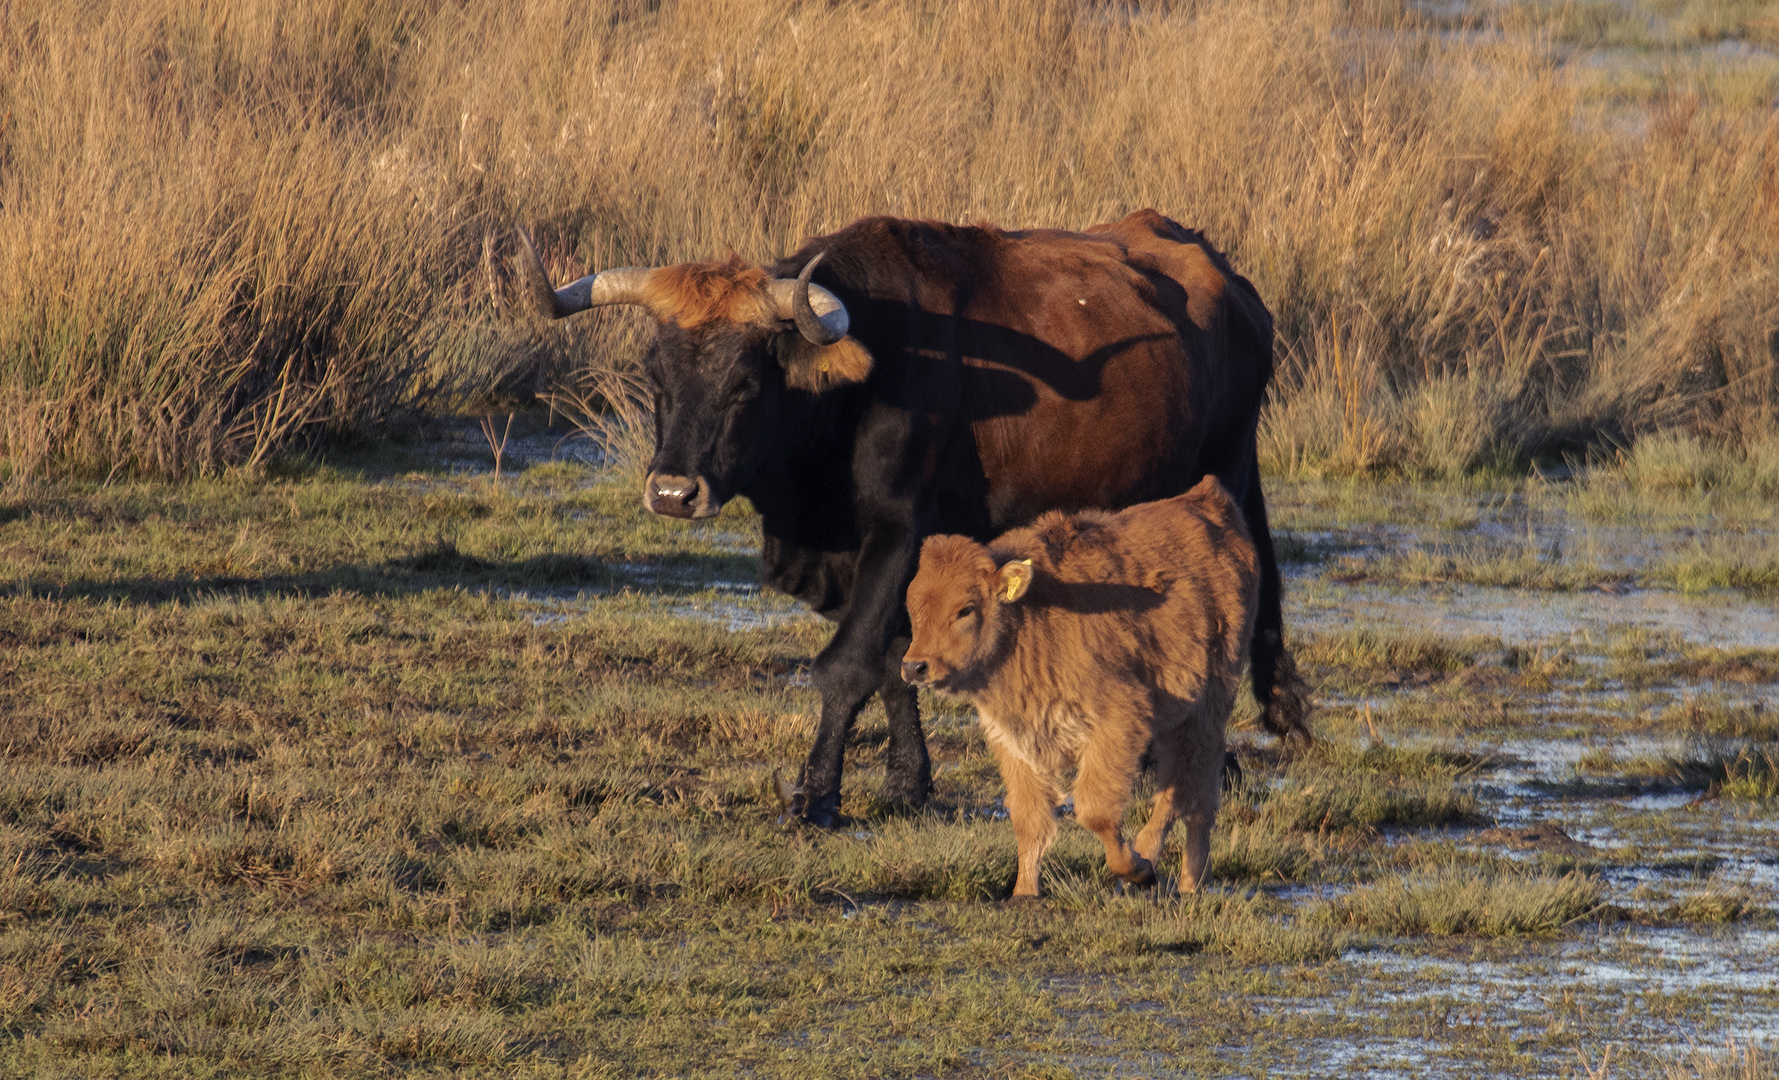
853 667
908 771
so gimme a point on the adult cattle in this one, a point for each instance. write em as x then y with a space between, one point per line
901 378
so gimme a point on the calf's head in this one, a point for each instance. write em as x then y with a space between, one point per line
958 605
731 339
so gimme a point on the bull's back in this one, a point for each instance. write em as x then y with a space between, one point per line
1100 365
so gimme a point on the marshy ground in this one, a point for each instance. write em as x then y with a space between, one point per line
385 766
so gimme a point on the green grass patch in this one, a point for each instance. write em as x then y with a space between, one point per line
1462 901
367 770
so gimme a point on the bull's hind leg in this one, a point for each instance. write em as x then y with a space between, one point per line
1031 803
1103 779
908 772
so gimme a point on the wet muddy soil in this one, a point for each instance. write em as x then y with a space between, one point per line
1586 772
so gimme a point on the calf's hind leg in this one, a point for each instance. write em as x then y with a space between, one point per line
1153 838
1188 781
1103 781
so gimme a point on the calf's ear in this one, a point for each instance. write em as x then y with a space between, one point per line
1014 579
815 368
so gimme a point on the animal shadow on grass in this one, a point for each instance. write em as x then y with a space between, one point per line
440 566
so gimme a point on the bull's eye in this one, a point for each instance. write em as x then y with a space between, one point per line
965 612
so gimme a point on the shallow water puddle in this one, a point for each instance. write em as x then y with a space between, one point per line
1666 831
1529 616
1624 963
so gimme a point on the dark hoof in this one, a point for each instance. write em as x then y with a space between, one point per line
907 787
898 797
1232 772
821 812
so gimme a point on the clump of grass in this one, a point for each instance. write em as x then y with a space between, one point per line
1458 421
1257 851
1600 759
1752 774
1746 1062
1435 761
1460 900
1722 720
1713 906
1763 464
612 407
1340 788
1746 771
1368 803
1678 461
1242 927
1386 656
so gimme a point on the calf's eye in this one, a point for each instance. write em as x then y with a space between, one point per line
965 612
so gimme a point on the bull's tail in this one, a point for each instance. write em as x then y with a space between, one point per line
1286 710
1283 696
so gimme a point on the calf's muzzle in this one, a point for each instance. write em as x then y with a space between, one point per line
916 672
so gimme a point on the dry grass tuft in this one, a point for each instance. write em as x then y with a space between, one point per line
229 229
1466 901
1736 1062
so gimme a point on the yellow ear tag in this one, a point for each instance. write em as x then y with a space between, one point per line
1014 583
824 364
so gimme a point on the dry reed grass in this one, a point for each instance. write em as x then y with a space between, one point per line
225 227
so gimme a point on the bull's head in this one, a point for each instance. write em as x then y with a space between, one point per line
958 605
732 338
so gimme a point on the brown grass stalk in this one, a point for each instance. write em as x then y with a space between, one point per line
230 228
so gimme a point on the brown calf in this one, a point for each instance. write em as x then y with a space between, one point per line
1081 640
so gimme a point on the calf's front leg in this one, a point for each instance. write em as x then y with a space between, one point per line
1031 804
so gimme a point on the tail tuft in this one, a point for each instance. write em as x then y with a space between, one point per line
1288 711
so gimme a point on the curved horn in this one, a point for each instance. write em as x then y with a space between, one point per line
818 313
622 285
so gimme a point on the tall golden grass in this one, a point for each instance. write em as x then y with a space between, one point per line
229 226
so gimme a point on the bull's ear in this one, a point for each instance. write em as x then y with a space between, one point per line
816 368
1014 579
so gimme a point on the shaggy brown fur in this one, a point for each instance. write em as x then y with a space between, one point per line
1083 639
692 294
817 368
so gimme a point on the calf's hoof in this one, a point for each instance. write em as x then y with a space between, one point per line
1142 875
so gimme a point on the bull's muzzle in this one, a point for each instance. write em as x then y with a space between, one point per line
679 496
